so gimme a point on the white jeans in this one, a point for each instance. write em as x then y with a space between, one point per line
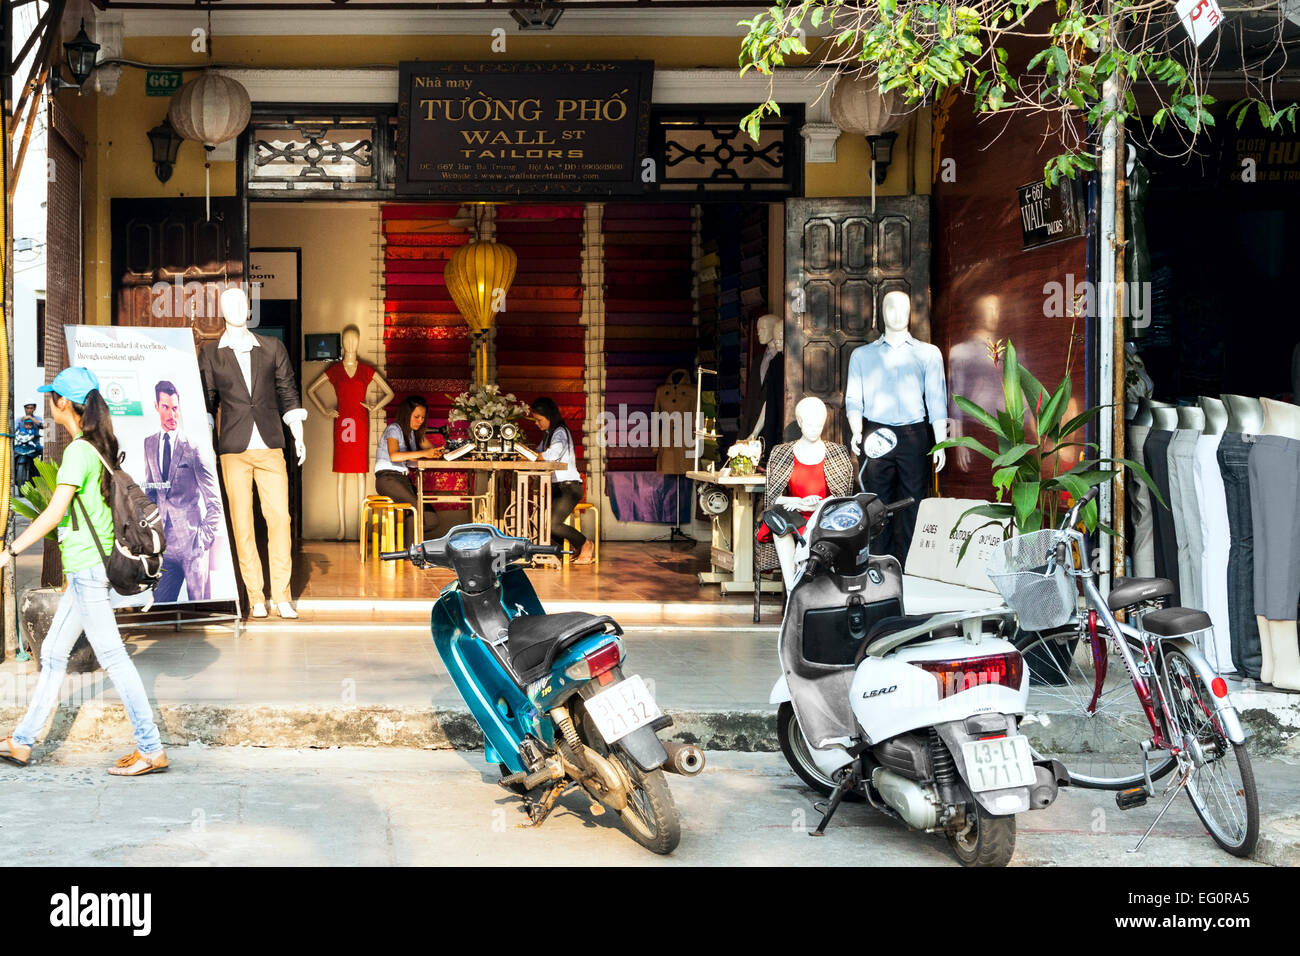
1215 544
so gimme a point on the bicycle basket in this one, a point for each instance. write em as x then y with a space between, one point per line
1019 570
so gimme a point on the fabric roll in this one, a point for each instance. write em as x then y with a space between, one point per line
1156 453
1142 547
1216 540
1234 458
1274 471
1186 514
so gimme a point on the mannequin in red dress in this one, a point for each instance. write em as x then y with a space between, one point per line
351 380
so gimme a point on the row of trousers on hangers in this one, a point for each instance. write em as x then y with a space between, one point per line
1230 536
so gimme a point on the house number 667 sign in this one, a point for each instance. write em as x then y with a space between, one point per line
1200 17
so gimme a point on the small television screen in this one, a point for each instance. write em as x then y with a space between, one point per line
321 347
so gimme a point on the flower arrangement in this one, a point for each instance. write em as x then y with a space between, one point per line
743 456
485 402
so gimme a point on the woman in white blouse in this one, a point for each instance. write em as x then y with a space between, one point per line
401 443
566 489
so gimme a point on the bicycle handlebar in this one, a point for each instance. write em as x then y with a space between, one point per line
1072 517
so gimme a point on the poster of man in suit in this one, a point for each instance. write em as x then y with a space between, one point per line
150 379
185 490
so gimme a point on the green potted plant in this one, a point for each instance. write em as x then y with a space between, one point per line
36 606
1033 436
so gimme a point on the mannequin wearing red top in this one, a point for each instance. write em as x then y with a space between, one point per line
351 380
800 474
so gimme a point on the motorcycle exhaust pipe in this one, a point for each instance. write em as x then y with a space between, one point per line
685 759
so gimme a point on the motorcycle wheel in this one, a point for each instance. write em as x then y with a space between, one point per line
986 840
650 816
798 754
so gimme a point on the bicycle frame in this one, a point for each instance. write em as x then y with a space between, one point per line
1230 723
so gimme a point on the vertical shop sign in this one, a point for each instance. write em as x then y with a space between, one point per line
548 128
150 379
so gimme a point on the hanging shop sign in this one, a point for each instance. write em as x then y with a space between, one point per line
1264 157
1200 18
568 128
150 380
1050 213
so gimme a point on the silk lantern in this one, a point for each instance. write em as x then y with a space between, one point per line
478 275
859 107
210 109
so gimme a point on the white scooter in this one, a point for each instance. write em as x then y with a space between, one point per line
917 715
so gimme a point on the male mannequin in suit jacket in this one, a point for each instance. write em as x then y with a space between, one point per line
248 378
176 479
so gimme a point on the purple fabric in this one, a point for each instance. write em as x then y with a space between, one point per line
649 496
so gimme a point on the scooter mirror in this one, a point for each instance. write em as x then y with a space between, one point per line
776 523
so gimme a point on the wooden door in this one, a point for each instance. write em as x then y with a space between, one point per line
840 261
171 263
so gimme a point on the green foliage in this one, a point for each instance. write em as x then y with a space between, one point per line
34 496
1032 438
922 47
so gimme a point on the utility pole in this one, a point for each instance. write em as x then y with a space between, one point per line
8 621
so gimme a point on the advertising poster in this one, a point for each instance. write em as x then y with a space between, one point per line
150 379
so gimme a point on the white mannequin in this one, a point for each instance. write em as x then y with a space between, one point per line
810 449
1278 639
897 310
771 332
1164 417
351 340
1191 417
1245 414
1216 415
234 309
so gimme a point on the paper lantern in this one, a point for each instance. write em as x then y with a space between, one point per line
210 109
478 276
858 106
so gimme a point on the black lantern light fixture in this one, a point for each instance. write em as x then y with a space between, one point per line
166 143
80 54
882 154
541 16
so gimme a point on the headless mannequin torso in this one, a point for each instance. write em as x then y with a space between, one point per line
1245 414
1216 415
1190 417
1278 639
1164 418
351 340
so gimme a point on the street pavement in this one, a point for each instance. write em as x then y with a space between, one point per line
363 806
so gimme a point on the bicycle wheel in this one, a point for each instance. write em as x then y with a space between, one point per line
1099 745
1222 787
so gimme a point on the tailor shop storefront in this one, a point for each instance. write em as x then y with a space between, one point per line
649 235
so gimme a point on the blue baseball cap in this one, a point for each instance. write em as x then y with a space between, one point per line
73 383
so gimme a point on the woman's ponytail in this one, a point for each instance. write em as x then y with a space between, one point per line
97 428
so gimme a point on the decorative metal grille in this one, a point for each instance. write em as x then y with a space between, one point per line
699 150
298 155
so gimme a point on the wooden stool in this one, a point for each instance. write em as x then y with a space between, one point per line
575 521
382 514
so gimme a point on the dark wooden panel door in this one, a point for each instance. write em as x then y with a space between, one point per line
171 263
840 261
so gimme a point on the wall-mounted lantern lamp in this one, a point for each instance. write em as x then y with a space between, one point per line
882 154
542 16
166 143
79 54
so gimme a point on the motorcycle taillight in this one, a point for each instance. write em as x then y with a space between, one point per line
603 659
956 676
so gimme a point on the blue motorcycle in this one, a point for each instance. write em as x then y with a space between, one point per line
548 690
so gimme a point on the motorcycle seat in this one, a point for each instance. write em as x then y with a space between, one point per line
534 640
1127 591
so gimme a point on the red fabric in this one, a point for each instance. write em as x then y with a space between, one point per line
352 427
805 480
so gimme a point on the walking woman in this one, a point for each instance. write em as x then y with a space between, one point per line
566 490
80 410
404 441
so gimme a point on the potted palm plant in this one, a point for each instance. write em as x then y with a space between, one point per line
1031 481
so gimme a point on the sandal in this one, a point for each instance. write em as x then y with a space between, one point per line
136 764
14 752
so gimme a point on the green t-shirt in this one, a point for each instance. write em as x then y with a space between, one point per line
81 468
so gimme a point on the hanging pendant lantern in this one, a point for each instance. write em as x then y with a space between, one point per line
859 107
478 275
210 110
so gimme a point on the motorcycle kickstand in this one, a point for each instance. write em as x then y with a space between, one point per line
539 810
845 785
1173 791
